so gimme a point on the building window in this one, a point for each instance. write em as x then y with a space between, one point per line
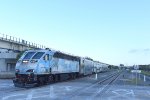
10 67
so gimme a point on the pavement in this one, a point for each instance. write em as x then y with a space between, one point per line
127 88
123 88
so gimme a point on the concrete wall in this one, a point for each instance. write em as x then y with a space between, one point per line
7 63
8 55
7 75
13 45
2 65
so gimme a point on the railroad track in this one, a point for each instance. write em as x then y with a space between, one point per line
16 89
103 85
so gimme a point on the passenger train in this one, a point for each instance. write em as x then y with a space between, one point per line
43 66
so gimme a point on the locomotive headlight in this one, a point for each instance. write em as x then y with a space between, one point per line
25 61
33 61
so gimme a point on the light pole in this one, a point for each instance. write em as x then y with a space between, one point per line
136 67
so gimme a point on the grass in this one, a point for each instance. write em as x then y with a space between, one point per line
133 81
145 73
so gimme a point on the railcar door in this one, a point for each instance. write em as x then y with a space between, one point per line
81 67
46 59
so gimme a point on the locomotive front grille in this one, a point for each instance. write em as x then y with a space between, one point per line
25 78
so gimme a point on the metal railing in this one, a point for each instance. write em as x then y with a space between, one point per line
20 41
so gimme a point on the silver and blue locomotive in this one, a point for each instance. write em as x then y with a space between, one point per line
36 67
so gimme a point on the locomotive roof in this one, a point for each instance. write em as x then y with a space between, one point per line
62 55
58 54
66 56
40 50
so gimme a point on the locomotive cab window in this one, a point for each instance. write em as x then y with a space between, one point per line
38 55
29 55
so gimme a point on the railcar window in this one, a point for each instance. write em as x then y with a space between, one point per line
29 55
65 56
38 55
46 57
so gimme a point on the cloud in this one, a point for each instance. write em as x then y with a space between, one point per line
147 50
133 51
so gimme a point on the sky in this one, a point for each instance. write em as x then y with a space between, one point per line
110 31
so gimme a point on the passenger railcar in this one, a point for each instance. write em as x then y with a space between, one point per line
104 67
97 67
86 66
